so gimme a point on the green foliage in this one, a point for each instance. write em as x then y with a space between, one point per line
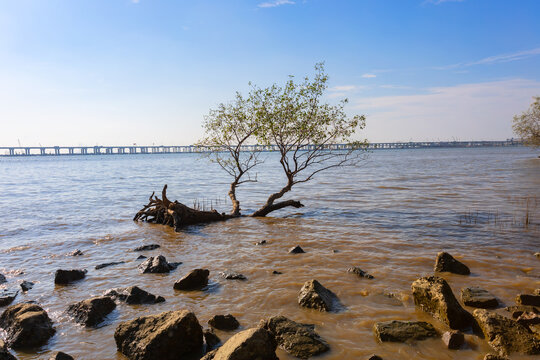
527 125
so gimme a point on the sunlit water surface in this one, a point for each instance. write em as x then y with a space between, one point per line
390 216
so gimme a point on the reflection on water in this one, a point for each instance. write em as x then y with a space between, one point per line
389 217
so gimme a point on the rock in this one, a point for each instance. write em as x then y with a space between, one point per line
374 357
536 292
211 339
537 255
64 277
101 266
315 296
403 331
505 335
195 280
232 275
140 257
526 299
453 339
92 311
61 356
297 339
26 326
434 296
76 252
495 357
296 250
359 272
134 295
516 311
26 285
446 263
275 272
478 297
147 247
262 242
251 344
170 335
7 296
224 322
528 318
155 265
4 352
2 279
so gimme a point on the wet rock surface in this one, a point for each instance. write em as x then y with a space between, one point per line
101 266
224 322
64 277
147 247
7 296
403 331
211 339
359 272
26 326
251 344
516 311
2 279
479 298
453 339
447 263
528 299
167 336
4 352
195 280
296 250
232 275
505 335
134 295
297 339
92 311
434 296
495 357
157 265
26 285
315 296
61 356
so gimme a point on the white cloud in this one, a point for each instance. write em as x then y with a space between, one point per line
275 3
369 76
390 86
343 88
503 58
481 111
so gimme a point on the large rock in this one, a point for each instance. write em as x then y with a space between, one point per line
297 339
167 336
251 344
61 356
447 263
403 331
26 326
4 352
479 298
157 264
505 335
224 322
134 295
92 311
64 277
7 296
434 296
195 280
527 299
315 296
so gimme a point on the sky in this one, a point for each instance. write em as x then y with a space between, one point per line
121 72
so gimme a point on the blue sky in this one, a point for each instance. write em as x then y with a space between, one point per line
87 72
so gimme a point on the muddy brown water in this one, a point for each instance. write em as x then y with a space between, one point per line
390 217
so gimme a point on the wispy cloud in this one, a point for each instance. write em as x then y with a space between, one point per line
369 76
438 2
275 3
343 88
397 87
503 58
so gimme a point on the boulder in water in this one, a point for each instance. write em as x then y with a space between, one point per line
403 331
315 296
147 247
26 326
251 344
134 295
224 322
447 263
157 265
64 277
296 250
359 272
232 275
92 311
478 297
195 280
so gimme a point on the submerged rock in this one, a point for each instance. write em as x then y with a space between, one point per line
211 339
296 250
374 357
134 295
157 265
315 296
251 344
505 335
170 335
7 296
275 272
403 331
195 280
297 339
26 326
453 339
224 322
140 257
147 247
527 299
101 266
64 277
26 285
434 296
359 272
92 311
479 298
61 356
232 275
447 263
262 242
2 279
76 252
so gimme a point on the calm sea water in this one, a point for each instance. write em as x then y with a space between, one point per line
390 216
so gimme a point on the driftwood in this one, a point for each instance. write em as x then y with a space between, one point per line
166 212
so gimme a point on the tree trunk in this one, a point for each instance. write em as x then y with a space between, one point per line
270 206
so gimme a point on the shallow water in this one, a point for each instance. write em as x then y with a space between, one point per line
390 216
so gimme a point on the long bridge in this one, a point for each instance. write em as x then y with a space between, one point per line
165 149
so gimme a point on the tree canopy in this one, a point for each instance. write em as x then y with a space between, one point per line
527 125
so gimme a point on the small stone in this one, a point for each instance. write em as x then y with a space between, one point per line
374 357
61 356
211 339
76 253
156 265
275 272
262 242
479 298
195 280
537 255
526 299
2 279
101 266
224 322
7 296
528 319
403 331
92 311
359 272
65 277
447 263
296 250
147 247
140 257
315 296
453 339
134 295
232 275
26 285
335 251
